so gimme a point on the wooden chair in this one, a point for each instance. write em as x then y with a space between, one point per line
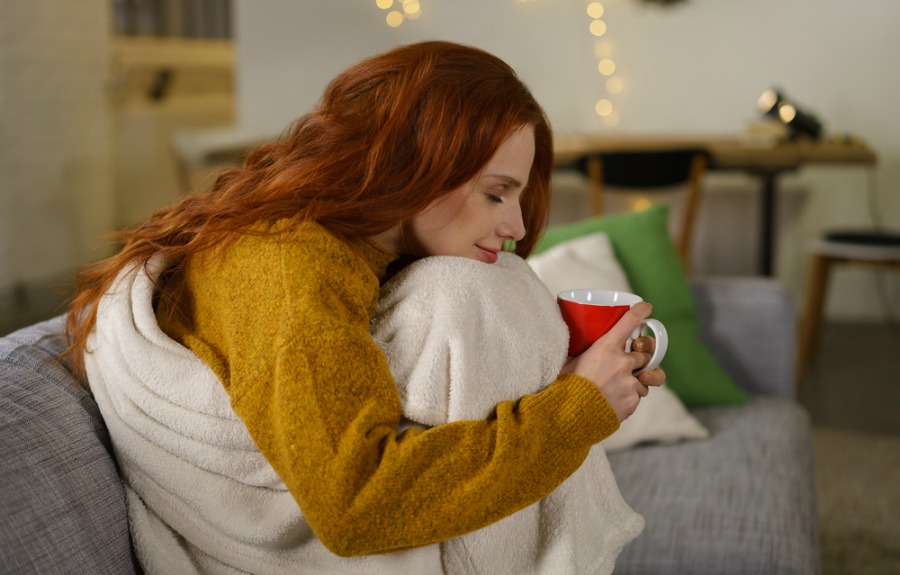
877 250
650 171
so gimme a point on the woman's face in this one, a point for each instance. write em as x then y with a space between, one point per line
475 219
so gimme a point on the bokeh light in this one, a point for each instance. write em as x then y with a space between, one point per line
602 48
614 85
641 204
411 7
787 113
598 28
606 66
394 18
603 107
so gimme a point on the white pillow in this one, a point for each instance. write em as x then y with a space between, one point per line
659 418
589 262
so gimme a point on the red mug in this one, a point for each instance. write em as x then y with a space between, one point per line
591 313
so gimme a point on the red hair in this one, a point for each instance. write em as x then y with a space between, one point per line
390 135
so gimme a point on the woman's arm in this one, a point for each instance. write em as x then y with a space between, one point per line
288 335
365 490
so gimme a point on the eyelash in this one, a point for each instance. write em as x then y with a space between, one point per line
494 198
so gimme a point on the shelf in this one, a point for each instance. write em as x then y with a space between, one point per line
135 53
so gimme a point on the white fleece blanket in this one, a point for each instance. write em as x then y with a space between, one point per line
460 337
201 497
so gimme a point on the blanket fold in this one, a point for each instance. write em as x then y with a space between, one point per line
201 497
462 336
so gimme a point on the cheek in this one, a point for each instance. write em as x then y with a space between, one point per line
442 212
431 224
430 233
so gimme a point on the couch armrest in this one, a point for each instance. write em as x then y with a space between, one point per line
749 324
61 500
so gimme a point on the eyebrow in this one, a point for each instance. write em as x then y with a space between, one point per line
507 179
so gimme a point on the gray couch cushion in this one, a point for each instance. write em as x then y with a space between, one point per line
742 501
61 501
744 319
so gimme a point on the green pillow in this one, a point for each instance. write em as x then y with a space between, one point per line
647 254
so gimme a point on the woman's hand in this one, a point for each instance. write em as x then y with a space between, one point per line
611 368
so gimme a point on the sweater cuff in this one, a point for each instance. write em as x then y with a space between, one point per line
582 411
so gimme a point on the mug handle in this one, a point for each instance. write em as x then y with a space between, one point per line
662 342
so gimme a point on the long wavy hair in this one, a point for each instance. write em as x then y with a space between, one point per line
390 135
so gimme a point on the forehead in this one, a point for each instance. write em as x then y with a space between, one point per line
514 157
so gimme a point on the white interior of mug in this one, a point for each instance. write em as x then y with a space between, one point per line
599 297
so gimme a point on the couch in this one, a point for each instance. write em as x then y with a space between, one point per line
740 502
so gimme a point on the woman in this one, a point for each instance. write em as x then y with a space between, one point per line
227 343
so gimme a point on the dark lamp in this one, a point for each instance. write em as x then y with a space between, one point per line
768 102
773 103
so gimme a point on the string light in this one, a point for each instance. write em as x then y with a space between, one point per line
614 85
411 9
603 107
598 28
401 10
606 66
406 10
612 119
394 18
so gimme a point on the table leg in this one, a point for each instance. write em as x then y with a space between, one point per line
767 225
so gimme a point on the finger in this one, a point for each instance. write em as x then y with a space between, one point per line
645 344
642 389
639 359
630 321
654 377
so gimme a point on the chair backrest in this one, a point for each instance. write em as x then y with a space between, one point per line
648 171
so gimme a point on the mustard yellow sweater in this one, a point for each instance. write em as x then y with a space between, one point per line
283 321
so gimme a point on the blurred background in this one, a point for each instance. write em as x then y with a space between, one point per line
105 106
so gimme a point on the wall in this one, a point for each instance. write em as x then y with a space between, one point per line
85 150
697 67
55 166
199 96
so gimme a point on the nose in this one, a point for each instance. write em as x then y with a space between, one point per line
513 226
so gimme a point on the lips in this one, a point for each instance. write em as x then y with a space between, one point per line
489 255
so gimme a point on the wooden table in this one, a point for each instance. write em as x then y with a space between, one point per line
767 160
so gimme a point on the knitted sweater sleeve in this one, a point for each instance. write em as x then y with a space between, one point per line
286 330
